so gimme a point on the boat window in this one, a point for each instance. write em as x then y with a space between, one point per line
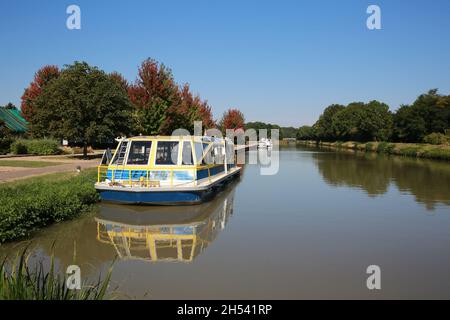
119 156
198 152
139 152
187 153
106 158
209 158
167 153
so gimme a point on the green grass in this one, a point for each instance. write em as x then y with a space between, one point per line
33 203
28 164
21 281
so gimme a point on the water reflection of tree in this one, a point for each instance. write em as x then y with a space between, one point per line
427 180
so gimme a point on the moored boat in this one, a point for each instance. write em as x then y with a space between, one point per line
265 143
166 170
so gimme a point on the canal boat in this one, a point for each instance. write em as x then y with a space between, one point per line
166 170
265 143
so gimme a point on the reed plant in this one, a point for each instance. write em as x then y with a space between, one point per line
21 280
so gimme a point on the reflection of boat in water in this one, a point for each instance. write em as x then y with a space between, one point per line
163 233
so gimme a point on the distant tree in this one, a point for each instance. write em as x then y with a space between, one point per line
232 119
289 132
376 122
345 122
84 104
257 125
363 122
153 92
41 78
306 133
429 113
323 126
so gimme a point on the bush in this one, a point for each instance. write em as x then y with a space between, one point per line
385 147
411 151
18 147
436 138
36 202
370 146
35 146
5 145
442 154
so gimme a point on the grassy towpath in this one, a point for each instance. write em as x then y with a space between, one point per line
19 168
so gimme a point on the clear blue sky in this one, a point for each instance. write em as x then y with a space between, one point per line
278 61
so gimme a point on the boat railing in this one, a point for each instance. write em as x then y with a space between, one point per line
151 178
143 177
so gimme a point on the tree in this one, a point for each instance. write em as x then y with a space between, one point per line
306 133
288 132
232 119
345 122
120 80
187 109
41 78
153 92
429 113
376 122
323 126
257 125
83 104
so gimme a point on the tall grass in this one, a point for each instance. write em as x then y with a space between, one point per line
20 281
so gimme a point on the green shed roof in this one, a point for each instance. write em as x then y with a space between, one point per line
13 119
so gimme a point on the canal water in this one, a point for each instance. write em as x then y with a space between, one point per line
309 231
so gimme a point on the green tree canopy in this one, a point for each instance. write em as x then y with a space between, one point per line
306 133
84 105
429 113
323 126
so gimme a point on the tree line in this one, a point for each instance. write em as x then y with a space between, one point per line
427 119
88 106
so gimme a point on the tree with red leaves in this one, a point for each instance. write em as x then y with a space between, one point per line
232 119
161 105
120 80
41 78
153 92
186 110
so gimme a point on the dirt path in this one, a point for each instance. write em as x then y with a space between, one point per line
16 173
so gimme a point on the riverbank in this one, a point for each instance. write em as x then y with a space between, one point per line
418 150
33 203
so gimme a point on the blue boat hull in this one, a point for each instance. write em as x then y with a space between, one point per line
154 198
163 197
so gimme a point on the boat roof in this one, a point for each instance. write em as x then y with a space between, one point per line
13 120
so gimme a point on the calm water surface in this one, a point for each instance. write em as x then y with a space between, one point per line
308 232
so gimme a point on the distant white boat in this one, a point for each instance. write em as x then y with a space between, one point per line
265 143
